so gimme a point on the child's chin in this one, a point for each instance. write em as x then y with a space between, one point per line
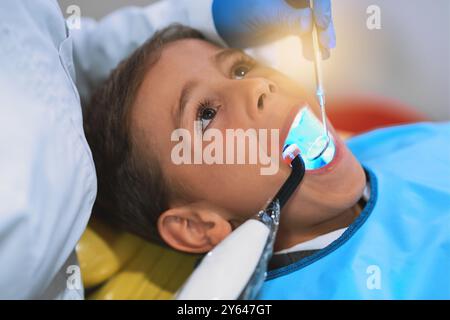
353 184
345 183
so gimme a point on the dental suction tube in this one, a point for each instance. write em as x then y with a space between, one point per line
273 211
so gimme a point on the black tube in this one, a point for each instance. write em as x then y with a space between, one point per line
292 182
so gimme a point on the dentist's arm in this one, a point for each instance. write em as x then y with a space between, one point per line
47 188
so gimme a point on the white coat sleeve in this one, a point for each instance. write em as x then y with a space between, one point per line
47 188
100 46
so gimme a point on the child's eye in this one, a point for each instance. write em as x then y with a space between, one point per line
206 113
242 67
240 72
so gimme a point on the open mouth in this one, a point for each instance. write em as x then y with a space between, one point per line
305 130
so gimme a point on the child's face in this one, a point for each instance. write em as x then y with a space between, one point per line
222 95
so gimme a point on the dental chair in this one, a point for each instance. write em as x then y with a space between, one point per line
118 265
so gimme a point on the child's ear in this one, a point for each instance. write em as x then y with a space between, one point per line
194 228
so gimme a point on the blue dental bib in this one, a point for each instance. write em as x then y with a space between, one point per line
399 246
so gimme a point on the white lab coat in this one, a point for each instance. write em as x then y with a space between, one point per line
47 175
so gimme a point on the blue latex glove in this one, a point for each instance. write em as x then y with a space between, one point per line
246 23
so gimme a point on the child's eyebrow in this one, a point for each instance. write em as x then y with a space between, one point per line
225 54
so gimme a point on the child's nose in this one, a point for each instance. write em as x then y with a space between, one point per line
256 94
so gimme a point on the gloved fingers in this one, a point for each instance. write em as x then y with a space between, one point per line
255 22
322 13
288 22
299 16
327 37
327 41
322 19
305 18
285 22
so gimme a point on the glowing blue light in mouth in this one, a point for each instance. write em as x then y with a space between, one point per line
305 130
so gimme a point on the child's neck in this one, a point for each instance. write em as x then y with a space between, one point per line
342 220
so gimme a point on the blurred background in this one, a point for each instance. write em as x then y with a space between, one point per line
407 59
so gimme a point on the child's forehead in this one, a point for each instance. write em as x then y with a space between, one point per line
196 50
181 61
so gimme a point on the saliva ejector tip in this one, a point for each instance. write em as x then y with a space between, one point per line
290 152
